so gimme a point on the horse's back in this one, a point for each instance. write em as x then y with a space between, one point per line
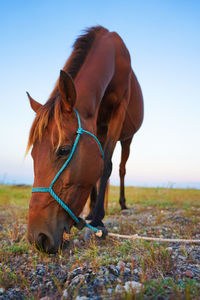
123 80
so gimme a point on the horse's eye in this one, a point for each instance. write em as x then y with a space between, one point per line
63 150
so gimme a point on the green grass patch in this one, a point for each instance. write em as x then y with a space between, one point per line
14 196
159 197
15 249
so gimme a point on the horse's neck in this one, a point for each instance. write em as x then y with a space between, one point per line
94 77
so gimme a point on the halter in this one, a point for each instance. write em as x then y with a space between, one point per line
80 223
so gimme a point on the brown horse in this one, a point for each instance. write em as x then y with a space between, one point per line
97 80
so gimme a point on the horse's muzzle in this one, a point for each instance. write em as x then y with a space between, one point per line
45 243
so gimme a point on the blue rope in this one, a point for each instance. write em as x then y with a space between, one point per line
50 189
81 131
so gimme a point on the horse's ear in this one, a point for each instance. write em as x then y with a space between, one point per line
67 90
34 104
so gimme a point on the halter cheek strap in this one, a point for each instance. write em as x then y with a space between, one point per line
79 221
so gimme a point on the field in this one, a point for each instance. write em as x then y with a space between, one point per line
112 268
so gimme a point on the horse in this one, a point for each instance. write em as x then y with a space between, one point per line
96 102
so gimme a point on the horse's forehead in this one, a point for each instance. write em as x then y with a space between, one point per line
62 130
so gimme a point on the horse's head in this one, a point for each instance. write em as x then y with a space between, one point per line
52 136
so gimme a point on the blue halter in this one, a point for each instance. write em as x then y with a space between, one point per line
50 188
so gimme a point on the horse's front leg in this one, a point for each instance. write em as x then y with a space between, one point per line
114 130
93 198
99 210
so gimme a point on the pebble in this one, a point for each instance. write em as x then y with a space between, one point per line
118 288
109 291
132 285
91 282
77 243
121 265
41 271
114 270
103 270
49 284
99 282
127 272
76 280
75 272
182 257
65 294
189 273
169 249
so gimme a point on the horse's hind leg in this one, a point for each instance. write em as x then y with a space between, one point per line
122 170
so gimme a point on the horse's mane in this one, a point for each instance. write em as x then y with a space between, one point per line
52 108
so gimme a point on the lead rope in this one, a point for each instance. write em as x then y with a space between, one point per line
80 223
138 237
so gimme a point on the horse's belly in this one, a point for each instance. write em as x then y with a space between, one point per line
134 113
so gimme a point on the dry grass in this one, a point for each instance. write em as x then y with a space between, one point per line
155 212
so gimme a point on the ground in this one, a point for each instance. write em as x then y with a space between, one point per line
112 268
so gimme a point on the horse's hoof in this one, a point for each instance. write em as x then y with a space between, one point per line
102 233
124 207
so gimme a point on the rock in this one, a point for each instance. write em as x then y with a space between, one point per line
128 211
46 298
110 278
22 267
41 272
169 249
182 257
98 283
121 265
76 280
49 284
75 272
76 243
65 294
118 288
2 291
109 291
132 285
189 273
127 272
114 270
81 298
103 270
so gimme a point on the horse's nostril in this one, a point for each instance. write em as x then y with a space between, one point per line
43 243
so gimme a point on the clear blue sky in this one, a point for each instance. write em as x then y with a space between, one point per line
163 40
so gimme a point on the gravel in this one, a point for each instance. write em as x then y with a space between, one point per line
77 278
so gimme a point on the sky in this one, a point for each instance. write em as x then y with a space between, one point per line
163 40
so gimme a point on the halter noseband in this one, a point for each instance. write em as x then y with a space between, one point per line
79 222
